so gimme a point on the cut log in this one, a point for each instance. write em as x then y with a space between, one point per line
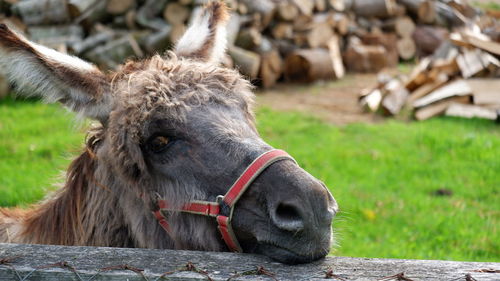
388 41
419 74
439 107
300 39
485 91
271 68
305 6
482 43
319 35
119 7
472 111
455 88
395 97
285 47
320 5
428 38
36 12
365 58
340 5
406 48
247 62
287 11
404 26
463 8
371 101
176 13
436 12
302 23
472 62
249 38
341 23
307 65
282 31
262 11
427 88
336 57
427 12
374 8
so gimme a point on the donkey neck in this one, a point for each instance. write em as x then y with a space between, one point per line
72 216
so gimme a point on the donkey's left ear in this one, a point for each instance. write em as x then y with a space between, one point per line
205 39
53 76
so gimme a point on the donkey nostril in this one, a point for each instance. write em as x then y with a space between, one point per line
288 217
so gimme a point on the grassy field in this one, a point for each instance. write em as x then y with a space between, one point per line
385 176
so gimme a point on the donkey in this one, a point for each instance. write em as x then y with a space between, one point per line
172 130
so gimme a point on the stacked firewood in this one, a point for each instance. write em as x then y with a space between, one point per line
270 40
462 78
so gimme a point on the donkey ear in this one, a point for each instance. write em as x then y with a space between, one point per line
205 39
56 77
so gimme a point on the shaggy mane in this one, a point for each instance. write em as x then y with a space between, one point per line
59 221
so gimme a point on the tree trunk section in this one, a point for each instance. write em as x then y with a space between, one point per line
406 48
176 13
307 65
247 62
374 8
271 68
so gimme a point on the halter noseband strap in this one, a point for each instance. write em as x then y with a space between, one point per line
222 209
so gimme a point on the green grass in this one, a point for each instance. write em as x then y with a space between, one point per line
382 175
36 141
487 5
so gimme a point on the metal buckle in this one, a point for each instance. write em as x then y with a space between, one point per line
224 208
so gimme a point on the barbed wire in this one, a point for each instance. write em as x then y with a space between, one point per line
190 267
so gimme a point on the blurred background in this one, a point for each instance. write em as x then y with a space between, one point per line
394 104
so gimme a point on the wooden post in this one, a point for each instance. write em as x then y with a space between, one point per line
45 262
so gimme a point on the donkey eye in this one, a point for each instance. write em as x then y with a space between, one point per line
159 144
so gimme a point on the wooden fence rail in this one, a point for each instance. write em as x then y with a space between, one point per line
42 262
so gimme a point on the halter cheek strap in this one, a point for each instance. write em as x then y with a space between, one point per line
222 209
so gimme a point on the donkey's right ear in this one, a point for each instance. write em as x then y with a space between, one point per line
56 77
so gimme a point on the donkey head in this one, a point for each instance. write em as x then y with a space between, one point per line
179 128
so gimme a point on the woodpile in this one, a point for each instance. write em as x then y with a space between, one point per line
291 40
461 78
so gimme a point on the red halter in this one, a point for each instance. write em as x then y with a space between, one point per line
222 209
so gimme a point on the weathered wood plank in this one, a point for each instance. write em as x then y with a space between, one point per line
87 261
